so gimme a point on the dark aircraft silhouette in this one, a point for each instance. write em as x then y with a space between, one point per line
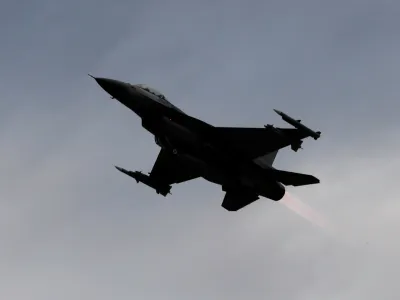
238 159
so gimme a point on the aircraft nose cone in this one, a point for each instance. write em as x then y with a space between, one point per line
111 86
108 85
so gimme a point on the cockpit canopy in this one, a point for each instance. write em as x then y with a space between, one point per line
152 90
161 98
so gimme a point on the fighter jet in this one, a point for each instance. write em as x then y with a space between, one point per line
238 159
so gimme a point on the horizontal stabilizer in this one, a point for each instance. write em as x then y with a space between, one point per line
295 179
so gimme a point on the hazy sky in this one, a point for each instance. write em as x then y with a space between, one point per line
72 227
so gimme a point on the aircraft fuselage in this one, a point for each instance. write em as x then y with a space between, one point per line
194 142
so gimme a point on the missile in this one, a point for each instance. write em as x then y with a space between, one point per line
160 188
298 125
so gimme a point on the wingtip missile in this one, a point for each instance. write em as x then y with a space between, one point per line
162 189
129 173
298 125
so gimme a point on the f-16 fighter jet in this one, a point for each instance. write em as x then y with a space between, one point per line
238 159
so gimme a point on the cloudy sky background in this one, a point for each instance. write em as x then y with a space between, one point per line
72 227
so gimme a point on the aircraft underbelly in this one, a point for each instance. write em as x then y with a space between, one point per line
208 171
217 173
214 165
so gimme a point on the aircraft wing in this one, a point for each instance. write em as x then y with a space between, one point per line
257 142
170 169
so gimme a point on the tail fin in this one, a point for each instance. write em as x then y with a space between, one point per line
292 178
266 160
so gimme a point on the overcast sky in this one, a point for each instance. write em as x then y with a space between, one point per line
72 227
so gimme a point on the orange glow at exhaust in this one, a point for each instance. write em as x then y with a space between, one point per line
305 211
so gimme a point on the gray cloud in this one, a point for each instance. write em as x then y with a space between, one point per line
72 227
